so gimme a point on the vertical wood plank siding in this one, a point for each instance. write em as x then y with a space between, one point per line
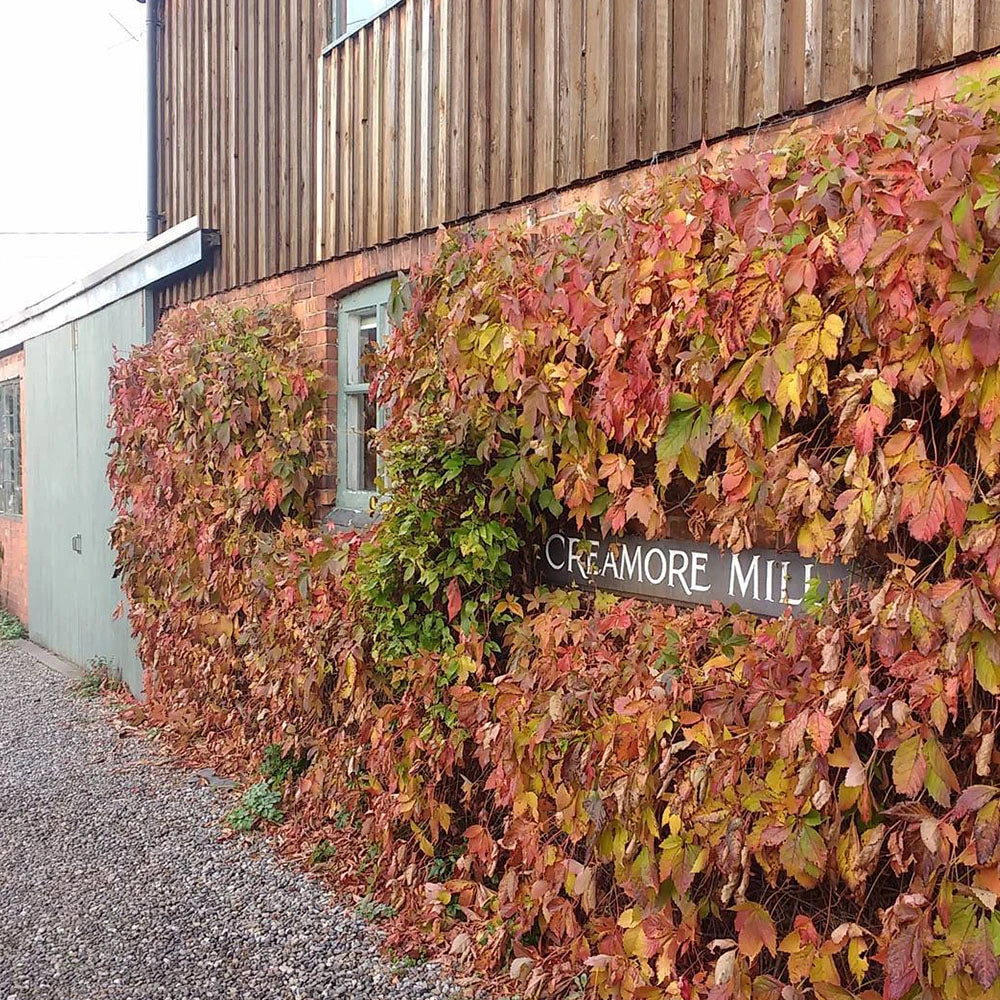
438 110
535 94
238 127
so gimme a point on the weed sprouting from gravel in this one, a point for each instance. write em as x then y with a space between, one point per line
259 802
324 851
10 626
374 911
277 767
98 678
400 960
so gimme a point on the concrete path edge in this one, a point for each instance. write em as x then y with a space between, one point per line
48 659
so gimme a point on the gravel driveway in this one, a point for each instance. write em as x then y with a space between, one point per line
113 883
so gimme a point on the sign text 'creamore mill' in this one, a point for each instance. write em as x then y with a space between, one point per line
758 580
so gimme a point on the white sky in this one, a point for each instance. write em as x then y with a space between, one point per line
72 140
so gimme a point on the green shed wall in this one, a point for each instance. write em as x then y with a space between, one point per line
73 595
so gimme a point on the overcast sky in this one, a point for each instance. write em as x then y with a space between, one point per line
72 154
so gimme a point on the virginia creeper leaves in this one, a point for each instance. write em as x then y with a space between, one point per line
909 767
755 929
796 347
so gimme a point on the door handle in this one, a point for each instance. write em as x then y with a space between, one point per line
78 544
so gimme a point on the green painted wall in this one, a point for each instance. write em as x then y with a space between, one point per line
73 595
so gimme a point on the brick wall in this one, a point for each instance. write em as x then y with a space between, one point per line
315 291
14 530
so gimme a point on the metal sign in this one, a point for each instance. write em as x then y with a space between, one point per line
684 572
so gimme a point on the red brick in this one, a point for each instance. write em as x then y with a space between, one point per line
316 305
14 530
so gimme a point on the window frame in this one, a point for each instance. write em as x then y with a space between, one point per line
11 458
337 25
352 311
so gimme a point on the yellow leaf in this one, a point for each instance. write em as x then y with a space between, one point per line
443 816
829 337
350 674
807 306
635 943
823 969
422 842
883 396
815 536
789 394
856 960
689 464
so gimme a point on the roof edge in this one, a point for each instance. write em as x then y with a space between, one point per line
156 259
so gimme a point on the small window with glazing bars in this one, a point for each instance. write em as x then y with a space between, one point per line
362 326
10 447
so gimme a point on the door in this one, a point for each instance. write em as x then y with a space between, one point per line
72 592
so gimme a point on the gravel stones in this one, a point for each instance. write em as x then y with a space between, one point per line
115 886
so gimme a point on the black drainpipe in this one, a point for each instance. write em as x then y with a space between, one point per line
152 168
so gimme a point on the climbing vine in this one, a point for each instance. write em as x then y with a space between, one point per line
798 346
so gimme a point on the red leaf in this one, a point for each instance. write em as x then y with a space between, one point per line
902 962
986 833
860 238
985 345
978 956
864 432
454 599
925 525
641 504
959 491
974 797
273 493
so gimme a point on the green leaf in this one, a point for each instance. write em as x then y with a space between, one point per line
987 661
675 436
680 401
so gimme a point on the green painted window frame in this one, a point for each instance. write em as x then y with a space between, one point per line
355 311
11 492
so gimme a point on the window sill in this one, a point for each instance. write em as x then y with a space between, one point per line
345 518
11 517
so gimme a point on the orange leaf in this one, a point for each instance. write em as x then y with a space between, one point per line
755 929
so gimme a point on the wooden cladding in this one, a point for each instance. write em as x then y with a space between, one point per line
441 109
438 110
237 132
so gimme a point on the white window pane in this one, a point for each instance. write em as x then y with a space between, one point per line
362 464
10 447
363 338
359 11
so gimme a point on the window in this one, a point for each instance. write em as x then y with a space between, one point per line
362 324
10 447
349 15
